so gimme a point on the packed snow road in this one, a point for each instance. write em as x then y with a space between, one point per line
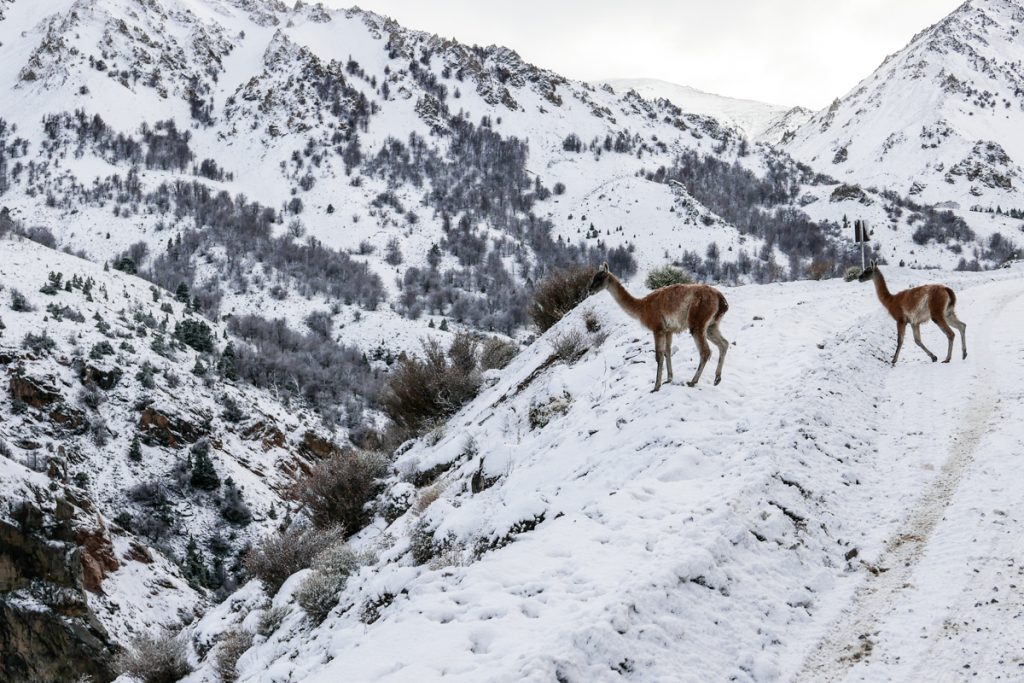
944 601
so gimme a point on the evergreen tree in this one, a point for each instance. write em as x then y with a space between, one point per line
135 450
181 293
204 476
228 363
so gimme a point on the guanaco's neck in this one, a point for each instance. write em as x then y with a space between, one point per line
624 299
881 288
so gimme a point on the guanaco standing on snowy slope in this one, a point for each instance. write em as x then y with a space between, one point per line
919 305
671 309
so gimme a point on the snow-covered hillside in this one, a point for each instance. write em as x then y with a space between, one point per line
759 121
940 120
113 401
805 519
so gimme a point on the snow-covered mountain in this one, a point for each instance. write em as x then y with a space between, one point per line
271 204
939 120
759 121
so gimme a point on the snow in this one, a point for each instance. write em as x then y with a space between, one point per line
758 120
706 530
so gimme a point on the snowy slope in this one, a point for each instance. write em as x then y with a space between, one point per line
695 534
88 405
759 121
939 120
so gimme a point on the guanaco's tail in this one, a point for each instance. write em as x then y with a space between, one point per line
952 299
723 306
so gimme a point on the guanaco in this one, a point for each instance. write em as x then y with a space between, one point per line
671 309
919 305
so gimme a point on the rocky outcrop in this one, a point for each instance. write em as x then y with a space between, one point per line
169 429
33 392
47 631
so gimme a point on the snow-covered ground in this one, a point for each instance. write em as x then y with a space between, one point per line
753 531
756 119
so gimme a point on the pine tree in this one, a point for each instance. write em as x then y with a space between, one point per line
204 476
199 369
181 293
227 363
135 450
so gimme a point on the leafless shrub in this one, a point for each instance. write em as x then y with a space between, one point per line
271 620
155 658
232 647
558 294
428 496
336 491
423 390
319 592
497 353
278 556
569 345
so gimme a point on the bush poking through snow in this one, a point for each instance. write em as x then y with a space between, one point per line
271 620
665 276
427 496
497 353
421 542
232 647
569 346
278 556
541 414
19 303
423 390
319 592
155 658
852 273
336 491
559 293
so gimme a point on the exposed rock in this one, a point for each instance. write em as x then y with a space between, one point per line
169 429
268 434
47 631
105 379
33 392
317 446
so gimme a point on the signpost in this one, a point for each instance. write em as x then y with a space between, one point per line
861 234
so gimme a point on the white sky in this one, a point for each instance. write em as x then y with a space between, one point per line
789 52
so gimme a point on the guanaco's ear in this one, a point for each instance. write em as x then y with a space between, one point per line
604 267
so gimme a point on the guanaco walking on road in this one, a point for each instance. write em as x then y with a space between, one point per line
919 305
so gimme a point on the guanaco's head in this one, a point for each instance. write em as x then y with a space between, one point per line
869 272
601 279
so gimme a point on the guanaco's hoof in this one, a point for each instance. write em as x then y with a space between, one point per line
718 380
946 361
934 358
691 384
655 389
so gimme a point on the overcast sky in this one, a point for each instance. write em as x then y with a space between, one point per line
782 51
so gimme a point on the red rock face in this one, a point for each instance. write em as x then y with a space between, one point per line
267 433
98 558
32 392
169 430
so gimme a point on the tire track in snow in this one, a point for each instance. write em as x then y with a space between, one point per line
849 639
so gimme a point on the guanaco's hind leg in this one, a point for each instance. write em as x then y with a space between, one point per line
705 353
659 353
668 357
917 340
948 331
901 330
955 322
723 345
